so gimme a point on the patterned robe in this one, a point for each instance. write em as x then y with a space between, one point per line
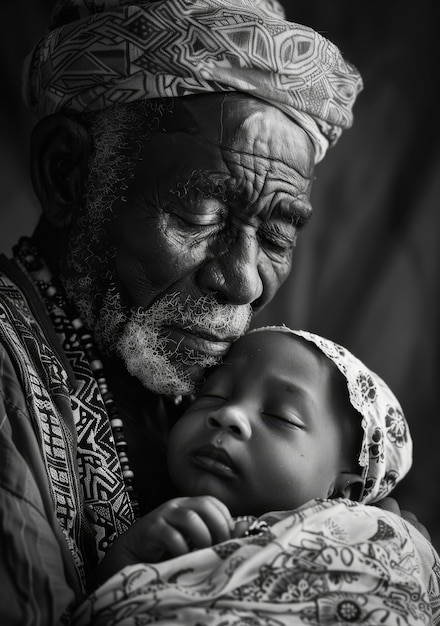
62 501
62 494
329 562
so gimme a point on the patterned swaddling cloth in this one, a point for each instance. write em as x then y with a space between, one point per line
330 562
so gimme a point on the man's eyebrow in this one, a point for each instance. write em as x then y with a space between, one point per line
296 213
212 185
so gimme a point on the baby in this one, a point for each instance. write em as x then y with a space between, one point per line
295 434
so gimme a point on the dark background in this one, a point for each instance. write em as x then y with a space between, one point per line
366 271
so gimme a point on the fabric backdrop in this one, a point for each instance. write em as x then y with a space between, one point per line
366 270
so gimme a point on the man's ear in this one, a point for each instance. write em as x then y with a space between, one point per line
347 485
60 148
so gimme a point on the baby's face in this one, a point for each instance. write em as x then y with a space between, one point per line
262 434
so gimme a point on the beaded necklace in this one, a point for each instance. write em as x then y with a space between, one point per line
52 294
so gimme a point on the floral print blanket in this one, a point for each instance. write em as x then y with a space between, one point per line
329 562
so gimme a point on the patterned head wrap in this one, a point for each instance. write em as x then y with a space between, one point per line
103 52
386 450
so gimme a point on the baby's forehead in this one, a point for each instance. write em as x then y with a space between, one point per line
274 349
279 355
277 344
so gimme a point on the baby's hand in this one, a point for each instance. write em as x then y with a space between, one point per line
180 525
172 529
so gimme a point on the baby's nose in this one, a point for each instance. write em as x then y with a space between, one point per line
232 419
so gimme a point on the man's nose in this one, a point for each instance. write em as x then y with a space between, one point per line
232 419
234 273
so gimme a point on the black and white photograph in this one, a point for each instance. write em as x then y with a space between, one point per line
219 313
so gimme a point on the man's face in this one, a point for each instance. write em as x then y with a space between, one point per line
205 229
263 433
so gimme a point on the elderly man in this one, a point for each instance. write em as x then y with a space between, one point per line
173 159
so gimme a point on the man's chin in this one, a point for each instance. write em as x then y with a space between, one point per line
194 376
167 374
179 381
169 345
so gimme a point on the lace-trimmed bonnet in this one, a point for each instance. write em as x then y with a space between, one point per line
386 449
98 53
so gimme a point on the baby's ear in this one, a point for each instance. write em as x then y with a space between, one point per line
347 485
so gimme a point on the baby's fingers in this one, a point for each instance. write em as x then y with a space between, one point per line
171 540
202 520
191 526
216 516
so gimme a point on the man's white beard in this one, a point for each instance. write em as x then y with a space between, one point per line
145 351
137 337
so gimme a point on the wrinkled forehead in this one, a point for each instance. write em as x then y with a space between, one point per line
242 124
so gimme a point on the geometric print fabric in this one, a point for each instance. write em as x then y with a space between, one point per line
113 53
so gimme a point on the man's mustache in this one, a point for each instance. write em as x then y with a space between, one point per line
204 314
168 365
